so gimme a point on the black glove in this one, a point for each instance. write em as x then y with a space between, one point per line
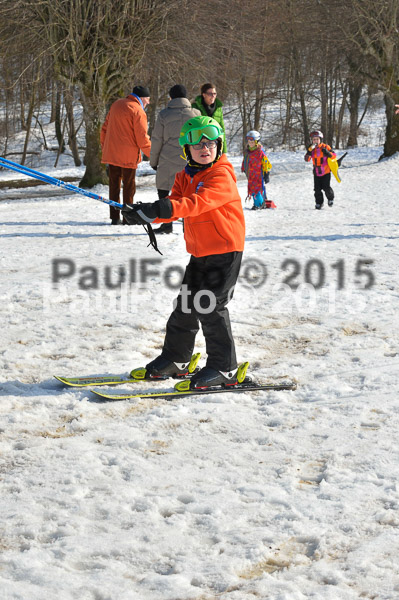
144 213
327 152
139 214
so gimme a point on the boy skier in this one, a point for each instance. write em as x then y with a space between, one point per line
256 166
205 194
319 153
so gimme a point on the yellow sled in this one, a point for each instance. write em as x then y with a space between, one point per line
333 164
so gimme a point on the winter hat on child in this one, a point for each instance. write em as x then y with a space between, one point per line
178 91
141 91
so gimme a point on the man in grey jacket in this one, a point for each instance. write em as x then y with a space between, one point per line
166 151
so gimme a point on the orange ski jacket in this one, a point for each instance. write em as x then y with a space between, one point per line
320 164
211 207
124 134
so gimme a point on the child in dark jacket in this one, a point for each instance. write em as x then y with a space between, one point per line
256 166
319 153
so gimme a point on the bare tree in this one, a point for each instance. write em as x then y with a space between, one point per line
372 29
96 45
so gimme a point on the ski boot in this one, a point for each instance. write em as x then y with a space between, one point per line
162 368
164 228
207 378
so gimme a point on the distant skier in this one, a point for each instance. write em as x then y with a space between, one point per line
256 166
205 194
397 111
319 153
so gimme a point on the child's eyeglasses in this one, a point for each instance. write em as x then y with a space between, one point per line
210 144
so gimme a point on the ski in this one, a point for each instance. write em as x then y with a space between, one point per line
96 380
134 376
245 386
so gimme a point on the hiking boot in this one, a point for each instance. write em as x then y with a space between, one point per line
318 206
161 367
209 377
331 203
164 228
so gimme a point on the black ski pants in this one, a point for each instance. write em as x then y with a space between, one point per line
323 184
208 285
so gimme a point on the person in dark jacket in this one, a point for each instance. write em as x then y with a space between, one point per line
166 153
210 106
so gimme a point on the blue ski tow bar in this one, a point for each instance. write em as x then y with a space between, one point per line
8 164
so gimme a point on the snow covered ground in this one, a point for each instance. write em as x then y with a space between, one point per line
271 496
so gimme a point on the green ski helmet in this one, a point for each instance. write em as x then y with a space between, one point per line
196 128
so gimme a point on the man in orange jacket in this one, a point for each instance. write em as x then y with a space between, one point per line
123 135
205 193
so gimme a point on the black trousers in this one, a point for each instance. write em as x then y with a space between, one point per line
322 184
208 285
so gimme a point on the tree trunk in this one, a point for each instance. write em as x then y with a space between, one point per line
391 97
29 122
22 104
58 120
300 92
53 101
391 145
153 107
72 134
288 106
341 116
332 108
5 136
61 143
94 115
355 91
324 101
258 104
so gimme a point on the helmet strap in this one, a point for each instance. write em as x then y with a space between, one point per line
219 150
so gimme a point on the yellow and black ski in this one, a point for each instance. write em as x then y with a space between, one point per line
245 386
183 388
91 380
134 376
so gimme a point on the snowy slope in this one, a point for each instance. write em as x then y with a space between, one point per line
277 496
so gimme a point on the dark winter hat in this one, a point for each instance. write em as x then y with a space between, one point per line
178 91
141 91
